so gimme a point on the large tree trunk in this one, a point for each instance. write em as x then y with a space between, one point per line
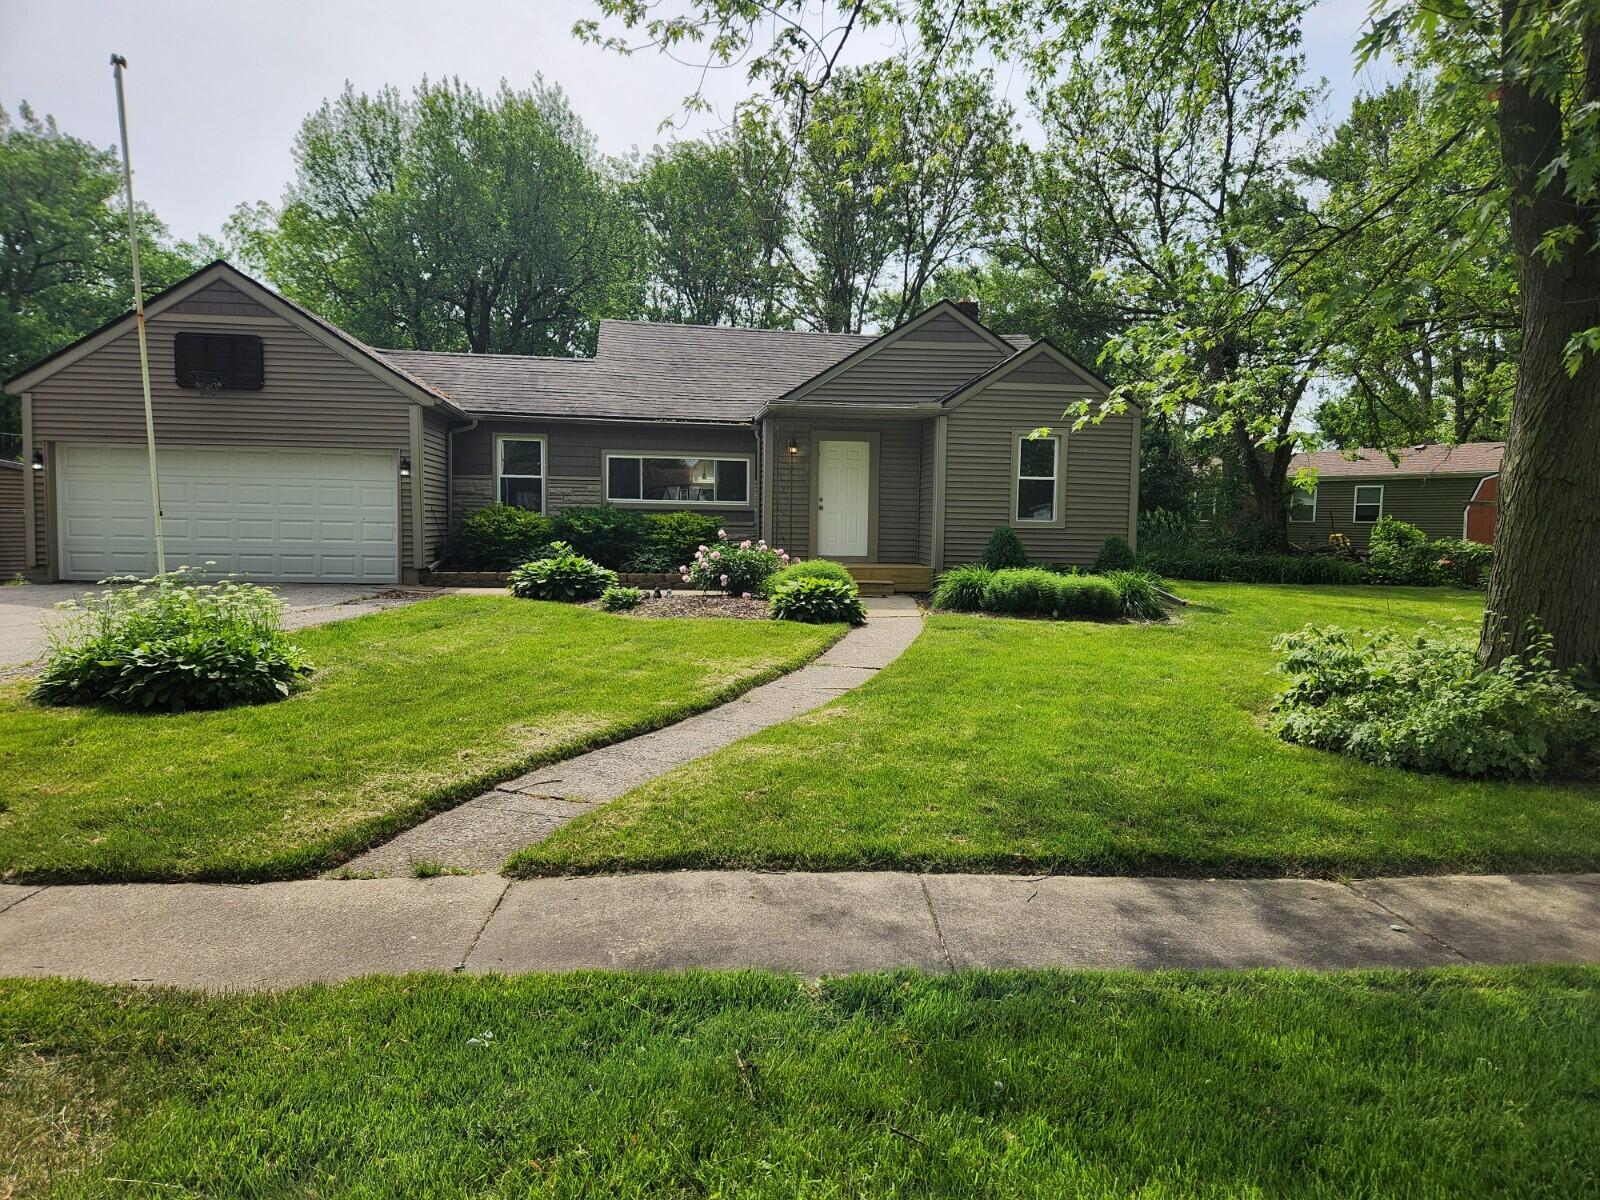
1547 542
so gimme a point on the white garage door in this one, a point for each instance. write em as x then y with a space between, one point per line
277 515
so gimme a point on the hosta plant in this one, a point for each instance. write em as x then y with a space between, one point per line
817 600
564 575
620 599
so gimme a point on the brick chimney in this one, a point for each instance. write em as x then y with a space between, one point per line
969 306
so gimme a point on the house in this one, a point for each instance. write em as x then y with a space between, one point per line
1446 491
12 482
290 450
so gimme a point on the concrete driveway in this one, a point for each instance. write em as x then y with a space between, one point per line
26 610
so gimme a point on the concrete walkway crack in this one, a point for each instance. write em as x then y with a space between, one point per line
482 833
16 900
938 929
1401 917
478 937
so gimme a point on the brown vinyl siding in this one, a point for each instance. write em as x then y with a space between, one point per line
908 372
574 471
435 483
925 475
13 545
896 479
222 299
1436 505
1096 464
312 397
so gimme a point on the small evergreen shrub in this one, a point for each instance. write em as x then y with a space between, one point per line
1004 550
737 568
171 643
1424 703
500 537
961 589
564 575
813 568
671 539
1115 555
609 536
817 600
620 599
1137 596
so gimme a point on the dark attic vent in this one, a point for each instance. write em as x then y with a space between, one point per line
213 362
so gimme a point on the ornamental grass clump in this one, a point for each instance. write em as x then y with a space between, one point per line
565 575
1138 594
817 600
1424 702
737 568
170 643
961 589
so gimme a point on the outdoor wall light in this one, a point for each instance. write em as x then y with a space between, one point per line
793 447
405 468
38 460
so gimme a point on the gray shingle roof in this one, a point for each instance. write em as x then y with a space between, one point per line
1468 458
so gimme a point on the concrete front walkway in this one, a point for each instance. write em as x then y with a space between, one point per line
282 934
482 833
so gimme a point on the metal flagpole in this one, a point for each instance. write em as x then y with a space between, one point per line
118 63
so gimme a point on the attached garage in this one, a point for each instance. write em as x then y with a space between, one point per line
290 515
287 451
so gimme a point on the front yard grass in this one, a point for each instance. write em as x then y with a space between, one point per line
1005 745
1464 1082
409 711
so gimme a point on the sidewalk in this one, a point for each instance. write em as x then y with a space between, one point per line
485 831
282 934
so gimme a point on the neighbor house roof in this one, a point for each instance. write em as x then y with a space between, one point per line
1468 458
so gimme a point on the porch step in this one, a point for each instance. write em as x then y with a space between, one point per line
885 579
875 587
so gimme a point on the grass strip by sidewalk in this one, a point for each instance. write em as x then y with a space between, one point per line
1478 1082
410 711
1034 746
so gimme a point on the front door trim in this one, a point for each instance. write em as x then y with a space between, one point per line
871 439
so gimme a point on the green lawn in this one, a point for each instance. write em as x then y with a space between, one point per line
1038 746
1425 1084
409 711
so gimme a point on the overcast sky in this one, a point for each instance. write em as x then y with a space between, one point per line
217 88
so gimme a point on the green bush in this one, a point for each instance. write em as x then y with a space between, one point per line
1034 590
671 539
1004 550
620 599
1115 555
1462 562
1398 553
1424 703
813 568
1164 532
737 568
1229 566
817 600
500 537
609 536
1137 595
961 589
565 575
171 643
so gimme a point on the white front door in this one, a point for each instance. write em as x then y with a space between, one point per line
844 476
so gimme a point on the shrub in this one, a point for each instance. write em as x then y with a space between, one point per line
961 589
499 537
813 568
1115 555
609 536
733 567
565 575
1229 566
1137 595
1165 532
1085 596
1034 590
1424 702
620 599
1004 550
817 600
671 539
1398 553
1462 562
171 643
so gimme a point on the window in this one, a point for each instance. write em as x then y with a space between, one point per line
1369 503
1303 505
519 471
218 360
1037 459
634 479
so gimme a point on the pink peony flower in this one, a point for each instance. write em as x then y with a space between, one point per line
745 545
746 595
715 554
683 570
724 581
703 549
722 533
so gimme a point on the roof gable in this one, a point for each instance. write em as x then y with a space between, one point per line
1041 364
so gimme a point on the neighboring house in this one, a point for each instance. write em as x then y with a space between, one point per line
1446 491
12 483
290 450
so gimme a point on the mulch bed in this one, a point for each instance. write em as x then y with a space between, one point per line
700 604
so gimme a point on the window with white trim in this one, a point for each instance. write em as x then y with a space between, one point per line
1303 505
519 471
1369 503
1038 460
693 479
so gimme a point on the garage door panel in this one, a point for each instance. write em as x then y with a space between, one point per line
286 515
